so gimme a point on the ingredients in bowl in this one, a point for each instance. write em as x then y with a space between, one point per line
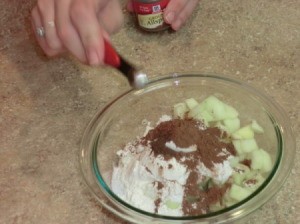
198 161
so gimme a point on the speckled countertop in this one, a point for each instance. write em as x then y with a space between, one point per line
46 104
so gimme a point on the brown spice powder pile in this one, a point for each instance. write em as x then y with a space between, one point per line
210 144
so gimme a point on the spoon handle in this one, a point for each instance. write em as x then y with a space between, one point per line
113 58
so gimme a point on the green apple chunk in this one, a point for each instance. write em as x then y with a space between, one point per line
245 145
199 113
221 126
234 161
261 160
230 112
238 147
179 110
232 124
227 200
240 172
245 132
229 203
256 127
238 193
238 178
191 103
172 204
205 116
195 111
215 207
213 109
253 180
218 109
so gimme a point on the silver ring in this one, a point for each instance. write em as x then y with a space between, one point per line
40 31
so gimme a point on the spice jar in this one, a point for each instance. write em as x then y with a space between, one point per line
149 14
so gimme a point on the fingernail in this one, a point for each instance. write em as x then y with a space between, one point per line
170 17
93 58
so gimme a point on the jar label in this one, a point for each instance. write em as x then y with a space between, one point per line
151 21
150 15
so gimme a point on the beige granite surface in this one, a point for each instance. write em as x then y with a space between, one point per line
45 104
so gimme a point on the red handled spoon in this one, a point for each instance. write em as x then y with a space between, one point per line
136 78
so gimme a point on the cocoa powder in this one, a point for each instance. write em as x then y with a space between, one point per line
184 133
212 148
158 186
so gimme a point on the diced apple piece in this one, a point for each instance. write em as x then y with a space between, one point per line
218 111
256 127
229 203
221 126
230 112
253 180
256 160
214 106
191 103
249 145
195 111
179 110
245 145
232 124
240 172
238 193
215 207
238 146
238 178
245 132
243 156
200 118
172 204
207 116
241 168
267 161
261 160
204 116
203 104
227 200
234 161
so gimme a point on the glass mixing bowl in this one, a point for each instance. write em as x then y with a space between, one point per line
122 120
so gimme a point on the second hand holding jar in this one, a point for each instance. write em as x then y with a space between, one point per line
149 14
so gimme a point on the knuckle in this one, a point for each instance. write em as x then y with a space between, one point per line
64 34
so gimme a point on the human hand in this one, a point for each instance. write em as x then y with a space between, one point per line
176 13
76 26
